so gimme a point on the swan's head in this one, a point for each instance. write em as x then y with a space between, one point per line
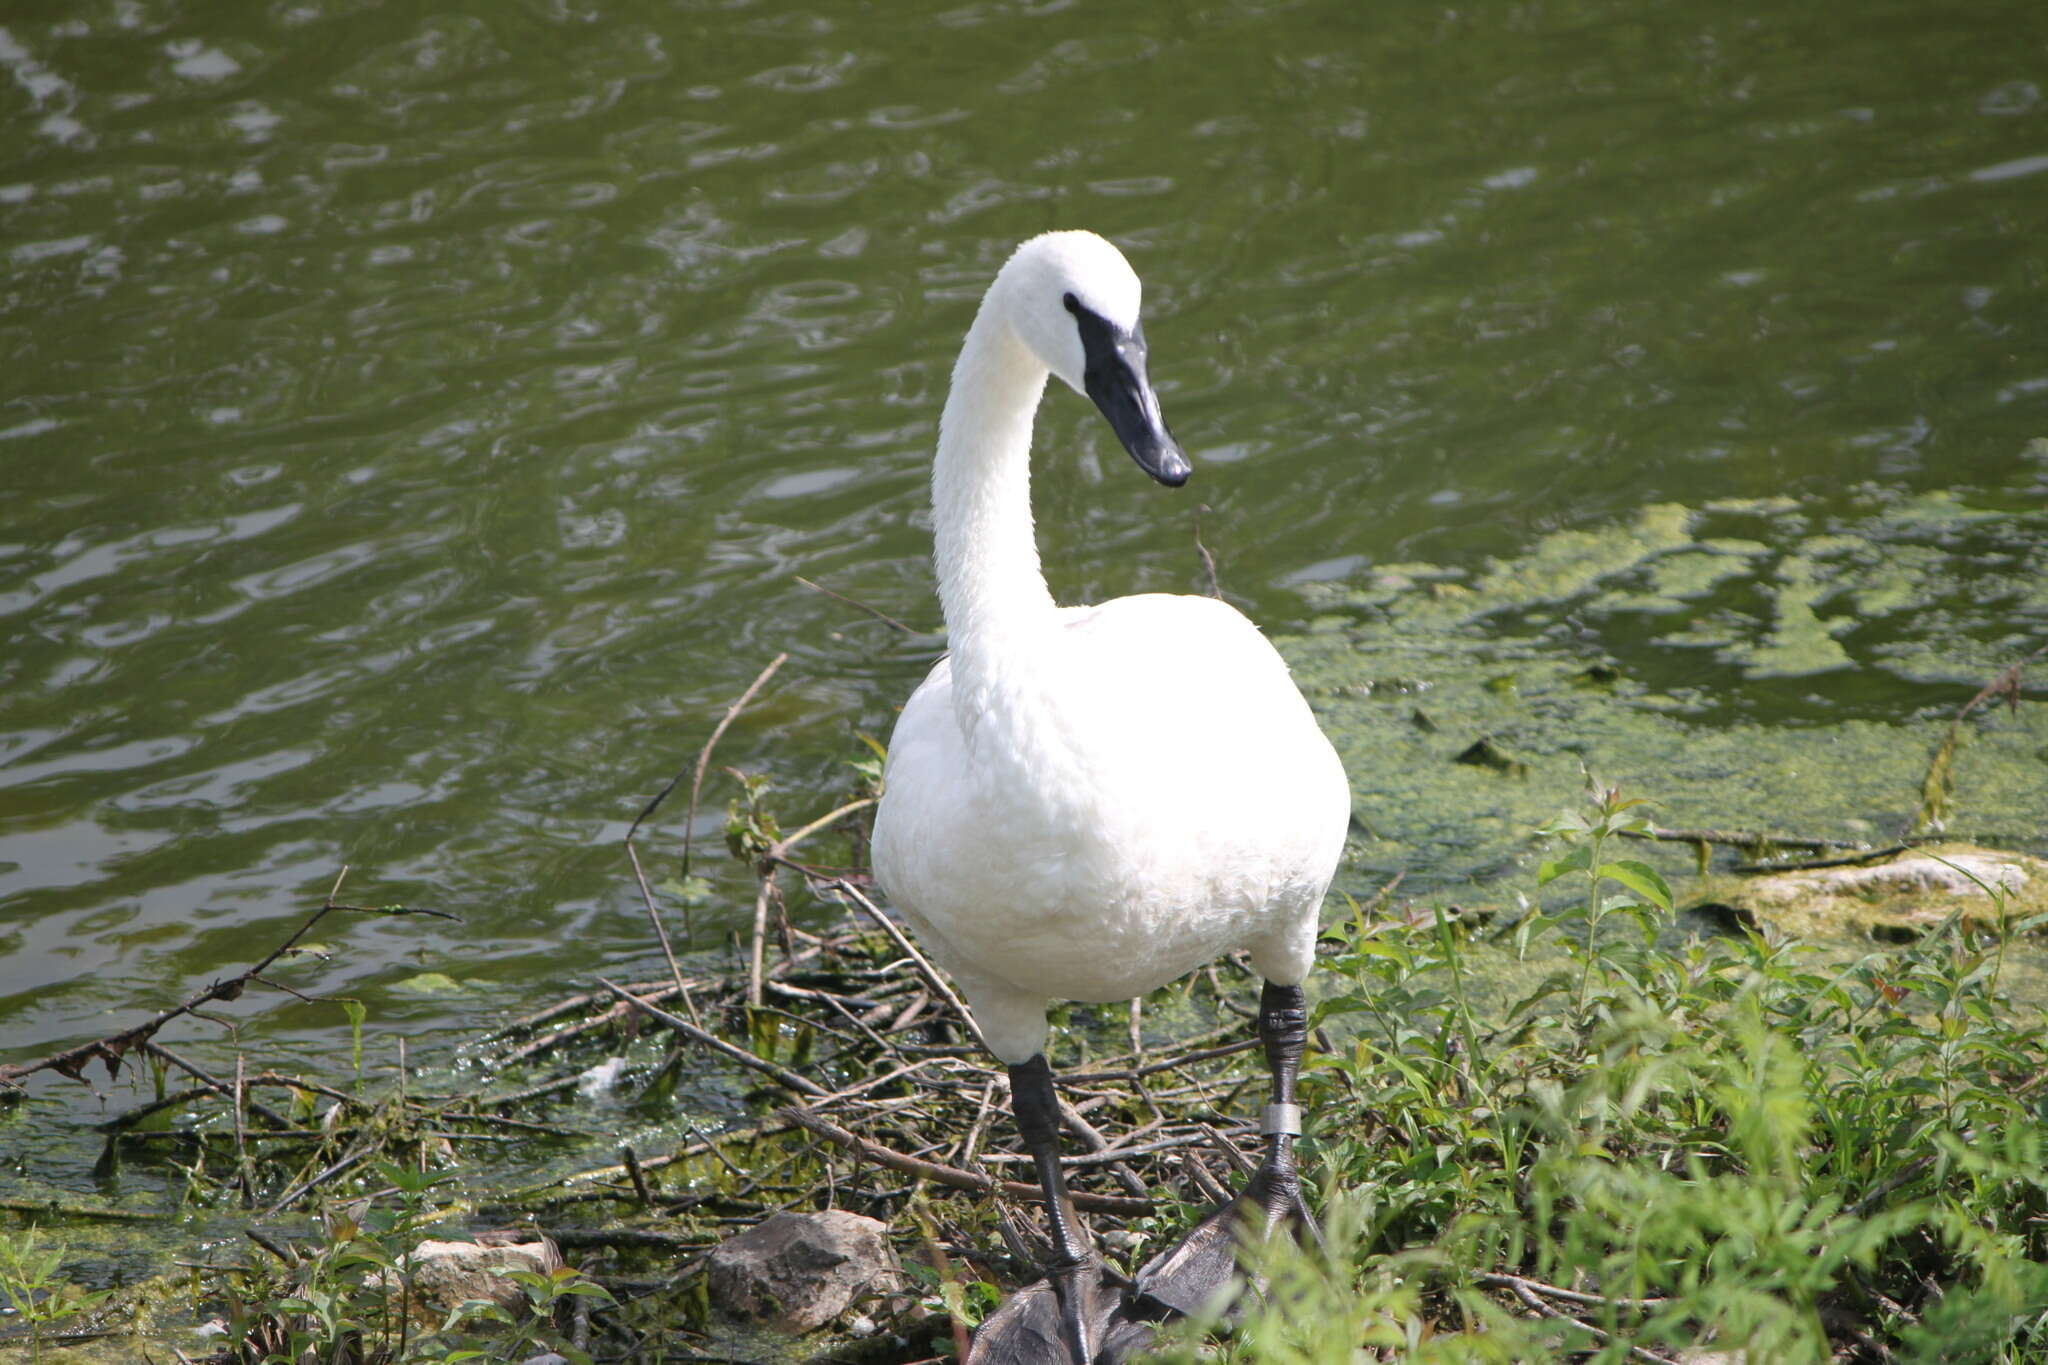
1072 299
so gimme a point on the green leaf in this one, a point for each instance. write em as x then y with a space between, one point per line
429 983
1640 878
357 1012
1550 869
692 890
1564 822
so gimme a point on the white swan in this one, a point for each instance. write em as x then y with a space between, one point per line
1085 803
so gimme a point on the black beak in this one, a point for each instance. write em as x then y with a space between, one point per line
1114 376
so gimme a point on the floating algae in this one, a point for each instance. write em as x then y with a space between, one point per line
1799 686
1799 641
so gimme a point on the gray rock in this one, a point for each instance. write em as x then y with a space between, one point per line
447 1274
798 1271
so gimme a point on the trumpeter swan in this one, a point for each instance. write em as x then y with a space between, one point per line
1085 803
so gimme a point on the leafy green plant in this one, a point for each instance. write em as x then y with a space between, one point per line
35 1293
751 828
1668 1144
351 1301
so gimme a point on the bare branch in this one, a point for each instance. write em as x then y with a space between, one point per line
952 1175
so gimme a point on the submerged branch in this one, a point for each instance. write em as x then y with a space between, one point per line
110 1049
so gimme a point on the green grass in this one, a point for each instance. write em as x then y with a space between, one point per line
1672 1145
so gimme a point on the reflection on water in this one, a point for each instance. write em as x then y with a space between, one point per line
414 420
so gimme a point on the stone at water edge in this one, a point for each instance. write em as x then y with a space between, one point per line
447 1274
798 1271
1906 893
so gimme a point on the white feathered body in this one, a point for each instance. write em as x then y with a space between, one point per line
1150 793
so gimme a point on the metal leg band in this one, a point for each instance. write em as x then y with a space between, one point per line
1281 1120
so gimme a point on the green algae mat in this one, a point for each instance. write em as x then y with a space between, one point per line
1471 706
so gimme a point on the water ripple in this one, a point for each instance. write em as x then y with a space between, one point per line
415 417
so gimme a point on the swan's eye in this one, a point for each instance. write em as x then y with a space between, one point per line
1073 304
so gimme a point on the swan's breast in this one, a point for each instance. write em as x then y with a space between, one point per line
1147 791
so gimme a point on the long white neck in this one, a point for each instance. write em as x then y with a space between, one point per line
990 584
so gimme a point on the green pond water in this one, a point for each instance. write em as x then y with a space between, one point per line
415 418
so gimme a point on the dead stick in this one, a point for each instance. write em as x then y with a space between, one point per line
757 953
689 825
514 1198
548 1042
1939 780
984 1111
952 1175
49 1208
1208 560
765 892
1734 838
1811 864
875 612
1174 1063
1097 1143
781 1075
299 1191
1502 1280
1529 1297
704 756
157 1050
1110 1156
654 915
925 968
246 1171
780 851
638 1177
526 1023
858 1089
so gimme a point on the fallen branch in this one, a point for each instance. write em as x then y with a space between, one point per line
925 969
781 1075
1749 839
952 1175
1812 864
1502 1280
704 761
63 1209
1524 1291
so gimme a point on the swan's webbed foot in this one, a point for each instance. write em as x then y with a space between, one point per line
1199 1273
1078 1315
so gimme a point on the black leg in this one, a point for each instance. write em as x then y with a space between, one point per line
1187 1276
1038 1119
1283 1027
1079 1313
